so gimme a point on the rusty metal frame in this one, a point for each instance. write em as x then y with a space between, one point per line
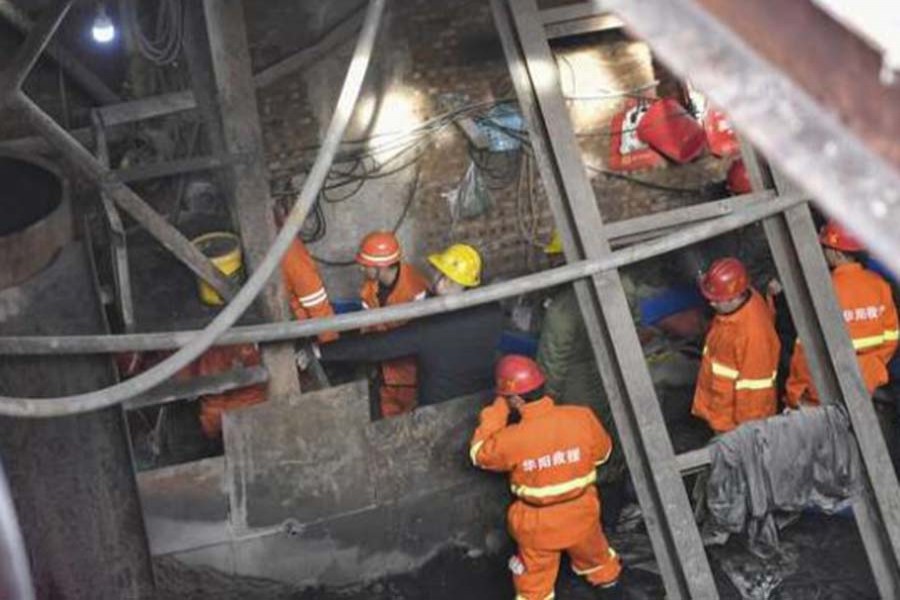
835 369
12 96
648 449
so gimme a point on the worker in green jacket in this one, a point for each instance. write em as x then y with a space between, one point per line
567 359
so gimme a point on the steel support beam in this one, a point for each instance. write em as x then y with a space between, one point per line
174 167
251 201
824 57
122 195
117 234
798 135
28 53
273 332
80 74
835 369
575 19
648 449
199 386
307 56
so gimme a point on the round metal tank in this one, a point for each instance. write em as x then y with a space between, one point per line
35 216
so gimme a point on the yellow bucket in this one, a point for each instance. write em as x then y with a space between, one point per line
224 251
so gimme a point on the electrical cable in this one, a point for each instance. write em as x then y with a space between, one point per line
165 45
200 341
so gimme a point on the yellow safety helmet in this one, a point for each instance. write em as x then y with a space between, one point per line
460 263
555 245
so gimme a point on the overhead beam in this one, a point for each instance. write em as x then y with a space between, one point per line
827 60
798 133
576 19
249 189
308 56
80 74
173 167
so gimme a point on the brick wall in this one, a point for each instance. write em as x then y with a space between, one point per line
432 52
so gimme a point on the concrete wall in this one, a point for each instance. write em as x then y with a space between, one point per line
312 492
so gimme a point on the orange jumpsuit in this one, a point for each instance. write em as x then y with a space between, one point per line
871 318
305 290
737 375
221 359
551 457
398 376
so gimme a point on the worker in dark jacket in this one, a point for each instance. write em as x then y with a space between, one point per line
454 351
566 357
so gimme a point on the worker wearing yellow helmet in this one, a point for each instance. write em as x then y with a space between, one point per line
454 351
458 267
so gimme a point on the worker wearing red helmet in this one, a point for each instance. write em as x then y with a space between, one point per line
551 456
737 375
390 281
306 292
869 313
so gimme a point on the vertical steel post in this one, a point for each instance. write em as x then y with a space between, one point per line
648 449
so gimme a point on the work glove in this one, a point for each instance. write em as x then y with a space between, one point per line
305 355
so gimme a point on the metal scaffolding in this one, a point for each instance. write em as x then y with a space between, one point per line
795 132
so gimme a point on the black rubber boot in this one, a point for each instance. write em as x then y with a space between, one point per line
610 592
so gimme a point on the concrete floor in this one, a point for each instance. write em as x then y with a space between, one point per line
827 562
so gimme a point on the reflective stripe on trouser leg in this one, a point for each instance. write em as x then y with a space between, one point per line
534 573
593 559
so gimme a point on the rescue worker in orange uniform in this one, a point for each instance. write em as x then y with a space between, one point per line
739 367
306 292
390 281
551 456
869 314
217 360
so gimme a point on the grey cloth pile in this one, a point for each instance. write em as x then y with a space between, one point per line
804 459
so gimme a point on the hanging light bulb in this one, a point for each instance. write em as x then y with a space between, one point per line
103 29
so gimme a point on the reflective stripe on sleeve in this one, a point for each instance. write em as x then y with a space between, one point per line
550 596
524 491
756 384
605 458
420 296
473 452
869 342
891 335
723 371
314 299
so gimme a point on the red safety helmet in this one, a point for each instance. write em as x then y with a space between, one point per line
835 236
517 375
737 181
725 280
379 249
